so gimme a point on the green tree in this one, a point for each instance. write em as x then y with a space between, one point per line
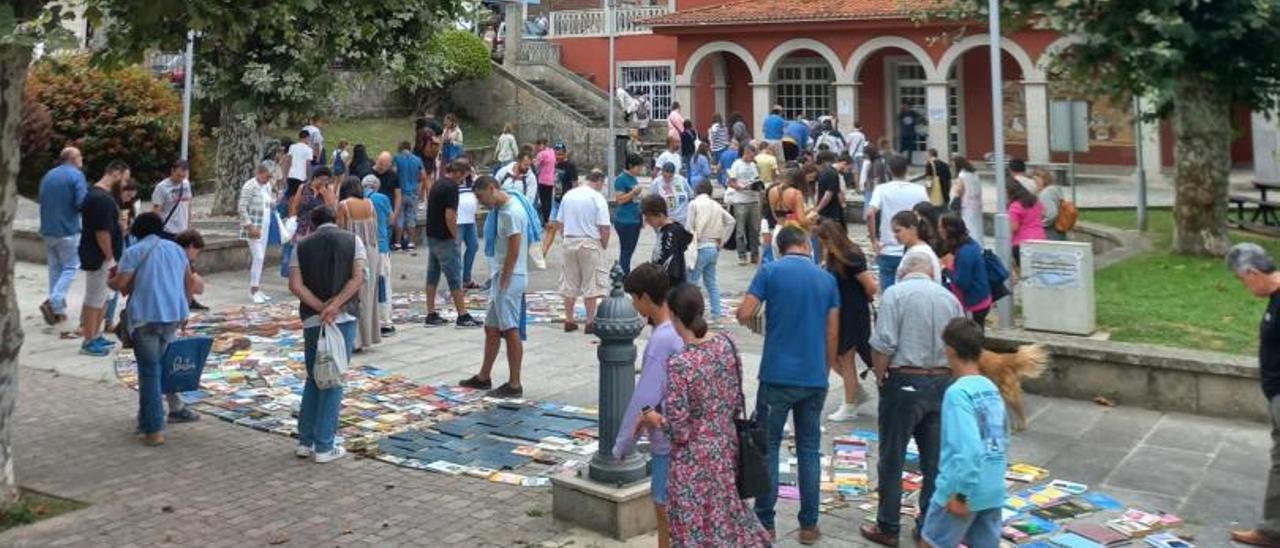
1196 59
22 25
262 61
449 56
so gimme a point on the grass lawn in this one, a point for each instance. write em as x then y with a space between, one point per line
1166 299
379 134
32 507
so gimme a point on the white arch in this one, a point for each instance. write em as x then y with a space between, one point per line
1029 70
1055 48
719 46
869 47
798 44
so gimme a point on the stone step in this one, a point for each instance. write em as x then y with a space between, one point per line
564 98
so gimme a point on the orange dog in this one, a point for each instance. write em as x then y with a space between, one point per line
1007 370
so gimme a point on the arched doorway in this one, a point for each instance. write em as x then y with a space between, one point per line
803 74
900 99
717 79
1025 105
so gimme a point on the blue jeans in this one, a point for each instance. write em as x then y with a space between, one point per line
946 530
149 344
659 471
628 236
910 407
63 256
704 274
888 270
318 419
773 403
472 243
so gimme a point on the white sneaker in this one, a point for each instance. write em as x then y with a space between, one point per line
259 298
846 413
335 454
303 451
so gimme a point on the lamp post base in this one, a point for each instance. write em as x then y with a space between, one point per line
620 512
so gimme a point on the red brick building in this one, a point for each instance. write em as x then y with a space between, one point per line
860 60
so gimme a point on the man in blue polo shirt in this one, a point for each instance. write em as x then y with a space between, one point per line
62 191
773 124
412 176
801 323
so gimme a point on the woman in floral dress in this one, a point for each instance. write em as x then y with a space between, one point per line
703 397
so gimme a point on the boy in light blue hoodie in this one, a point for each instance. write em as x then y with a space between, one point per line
970 487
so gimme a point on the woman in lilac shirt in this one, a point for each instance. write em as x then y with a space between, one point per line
648 285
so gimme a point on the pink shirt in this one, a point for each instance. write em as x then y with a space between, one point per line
545 163
675 124
1030 222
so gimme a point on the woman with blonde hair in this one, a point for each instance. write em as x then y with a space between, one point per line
507 148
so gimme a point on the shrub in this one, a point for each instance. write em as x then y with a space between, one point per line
109 114
449 56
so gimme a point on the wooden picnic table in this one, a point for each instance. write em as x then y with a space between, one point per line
1264 186
1266 213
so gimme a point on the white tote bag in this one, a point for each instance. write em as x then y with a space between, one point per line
288 227
331 357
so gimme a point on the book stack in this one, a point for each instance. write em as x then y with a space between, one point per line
849 466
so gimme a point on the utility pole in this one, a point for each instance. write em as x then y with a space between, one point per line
1004 307
186 94
1142 171
611 158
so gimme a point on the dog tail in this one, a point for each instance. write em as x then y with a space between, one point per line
1029 361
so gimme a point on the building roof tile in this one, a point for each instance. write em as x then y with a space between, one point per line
793 11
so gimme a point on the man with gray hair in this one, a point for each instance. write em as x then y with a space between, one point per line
911 368
1257 271
383 208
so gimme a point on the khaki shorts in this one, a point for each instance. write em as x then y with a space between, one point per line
584 273
96 291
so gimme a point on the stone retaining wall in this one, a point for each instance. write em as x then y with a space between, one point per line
1154 377
505 98
221 253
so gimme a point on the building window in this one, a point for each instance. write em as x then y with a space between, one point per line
804 91
654 80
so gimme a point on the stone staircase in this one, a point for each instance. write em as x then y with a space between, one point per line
597 117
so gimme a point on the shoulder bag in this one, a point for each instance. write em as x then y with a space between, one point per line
752 471
124 329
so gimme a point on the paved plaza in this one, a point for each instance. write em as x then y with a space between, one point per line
216 484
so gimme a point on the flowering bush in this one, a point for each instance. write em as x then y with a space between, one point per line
109 114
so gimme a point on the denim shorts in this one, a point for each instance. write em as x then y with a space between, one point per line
444 256
504 306
946 530
659 469
408 212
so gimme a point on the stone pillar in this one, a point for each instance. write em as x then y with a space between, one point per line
1152 153
684 96
722 99
1036 93
761 100
846 106
935 105
515 33
1266 147
617 325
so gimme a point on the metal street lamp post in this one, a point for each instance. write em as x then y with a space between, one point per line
617 325
186 94
1004 307
611 158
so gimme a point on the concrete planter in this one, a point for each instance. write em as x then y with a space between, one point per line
1154 377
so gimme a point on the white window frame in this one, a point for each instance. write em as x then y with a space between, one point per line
891 86
659 110
803 64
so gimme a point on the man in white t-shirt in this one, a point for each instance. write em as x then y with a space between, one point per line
671 155
300 158
584 219
171 199
886 201
1018 169
857 141
317 139
743 198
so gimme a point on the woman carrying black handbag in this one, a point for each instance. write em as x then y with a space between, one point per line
715 455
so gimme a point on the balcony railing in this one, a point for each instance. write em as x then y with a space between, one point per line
539 51
586 23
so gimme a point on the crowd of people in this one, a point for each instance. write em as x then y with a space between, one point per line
342 215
